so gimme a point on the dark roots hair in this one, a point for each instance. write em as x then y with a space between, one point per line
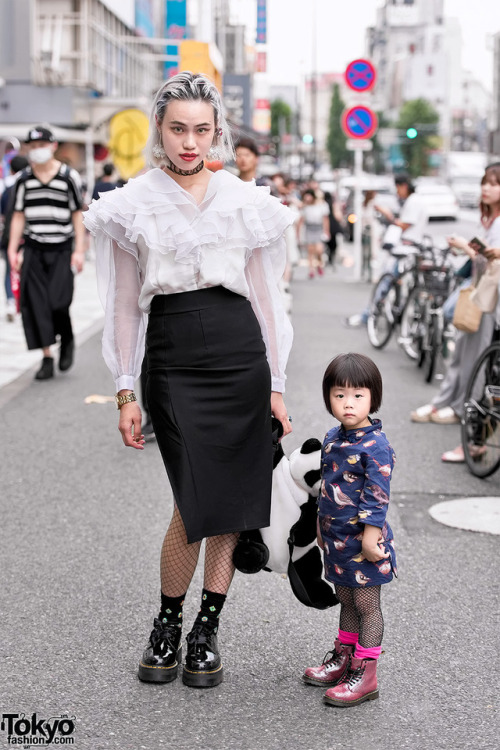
354 371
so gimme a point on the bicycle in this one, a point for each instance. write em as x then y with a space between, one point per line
481 420
438 281
395 301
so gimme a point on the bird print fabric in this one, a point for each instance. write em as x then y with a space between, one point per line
356 469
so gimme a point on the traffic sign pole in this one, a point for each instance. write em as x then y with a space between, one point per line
358 208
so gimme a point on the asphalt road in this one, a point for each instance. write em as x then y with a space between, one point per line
82 521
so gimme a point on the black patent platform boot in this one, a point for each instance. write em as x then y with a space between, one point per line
161 658
203 666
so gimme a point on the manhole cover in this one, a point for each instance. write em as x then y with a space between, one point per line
469 513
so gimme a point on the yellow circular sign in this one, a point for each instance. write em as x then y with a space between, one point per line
128 132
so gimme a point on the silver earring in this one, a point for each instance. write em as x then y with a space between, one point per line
159 152
214 153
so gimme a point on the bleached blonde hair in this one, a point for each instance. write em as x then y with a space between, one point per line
187 86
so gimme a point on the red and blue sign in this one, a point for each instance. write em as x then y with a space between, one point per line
360 75
261 37
359 122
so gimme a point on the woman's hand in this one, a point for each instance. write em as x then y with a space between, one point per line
278 410
130 425
460 243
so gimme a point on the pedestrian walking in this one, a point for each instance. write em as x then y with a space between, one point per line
196 257
17 164
47 214
314 219
358 546
335 220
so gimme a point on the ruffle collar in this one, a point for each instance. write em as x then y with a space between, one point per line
232 213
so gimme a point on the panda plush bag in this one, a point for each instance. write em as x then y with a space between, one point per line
288 545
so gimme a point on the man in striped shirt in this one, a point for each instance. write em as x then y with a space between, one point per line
47 214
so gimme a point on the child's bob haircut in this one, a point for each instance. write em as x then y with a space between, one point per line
354 371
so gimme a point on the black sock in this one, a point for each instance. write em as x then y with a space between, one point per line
211 606
171 609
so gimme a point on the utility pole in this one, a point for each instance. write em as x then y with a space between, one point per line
314 89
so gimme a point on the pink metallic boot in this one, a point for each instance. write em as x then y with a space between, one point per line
333 669
358 684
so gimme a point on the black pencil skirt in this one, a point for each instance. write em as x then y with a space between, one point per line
208 393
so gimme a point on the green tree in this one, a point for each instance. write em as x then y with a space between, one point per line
336 139
374 160
281 118
420 115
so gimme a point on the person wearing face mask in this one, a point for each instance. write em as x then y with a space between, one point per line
47 214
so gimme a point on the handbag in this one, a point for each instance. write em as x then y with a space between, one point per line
485 295
467 315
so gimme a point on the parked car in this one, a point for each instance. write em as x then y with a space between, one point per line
468 191
440 200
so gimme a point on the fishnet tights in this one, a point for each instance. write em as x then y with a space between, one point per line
360 613
178 560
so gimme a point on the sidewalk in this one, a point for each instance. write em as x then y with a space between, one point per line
86 315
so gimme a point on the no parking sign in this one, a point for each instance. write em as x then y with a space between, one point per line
359 122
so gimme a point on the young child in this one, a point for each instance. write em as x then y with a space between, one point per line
358 546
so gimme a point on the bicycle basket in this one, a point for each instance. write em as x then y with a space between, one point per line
436 281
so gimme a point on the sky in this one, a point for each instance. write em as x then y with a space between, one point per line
340 34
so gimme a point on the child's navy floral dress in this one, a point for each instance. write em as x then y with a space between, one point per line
356 468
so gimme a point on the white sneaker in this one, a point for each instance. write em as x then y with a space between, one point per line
446 415
423 413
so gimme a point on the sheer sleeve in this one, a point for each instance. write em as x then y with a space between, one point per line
263 272
119 285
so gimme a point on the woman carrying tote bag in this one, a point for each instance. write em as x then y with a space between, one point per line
447 406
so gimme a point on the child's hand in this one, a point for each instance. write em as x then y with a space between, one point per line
374 553
372 545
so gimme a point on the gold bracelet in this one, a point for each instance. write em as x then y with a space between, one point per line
126 399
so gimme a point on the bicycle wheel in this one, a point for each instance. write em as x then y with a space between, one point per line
481 422
412 325
381 317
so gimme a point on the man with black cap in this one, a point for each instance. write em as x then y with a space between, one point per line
47 213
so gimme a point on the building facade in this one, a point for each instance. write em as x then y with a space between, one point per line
417 53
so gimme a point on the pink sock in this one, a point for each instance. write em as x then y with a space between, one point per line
347 638
360 652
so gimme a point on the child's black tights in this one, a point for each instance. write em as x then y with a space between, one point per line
360 613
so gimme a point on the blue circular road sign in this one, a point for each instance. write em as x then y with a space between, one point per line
360 75
359 122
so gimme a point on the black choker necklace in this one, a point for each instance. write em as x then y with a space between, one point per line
184 172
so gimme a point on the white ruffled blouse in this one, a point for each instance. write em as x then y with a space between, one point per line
151 237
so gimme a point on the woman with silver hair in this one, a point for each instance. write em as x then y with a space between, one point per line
190 261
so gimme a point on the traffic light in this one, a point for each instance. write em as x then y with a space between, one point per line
308 138
411 133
